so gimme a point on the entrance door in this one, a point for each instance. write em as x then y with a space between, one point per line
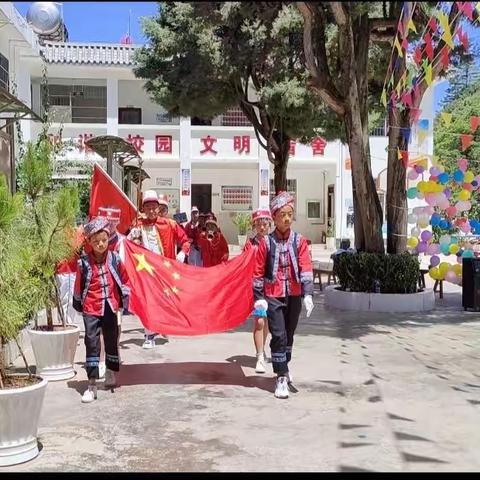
202 196
331 201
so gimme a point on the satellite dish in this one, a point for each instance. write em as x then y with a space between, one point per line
44 18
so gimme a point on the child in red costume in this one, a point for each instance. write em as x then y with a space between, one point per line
212 244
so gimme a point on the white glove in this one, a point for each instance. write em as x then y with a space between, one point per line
308 302
181 256
261 305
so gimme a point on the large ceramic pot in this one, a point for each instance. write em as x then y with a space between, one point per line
55 352
330 243
19 416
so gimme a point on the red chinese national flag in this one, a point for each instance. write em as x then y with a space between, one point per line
173 298
106 193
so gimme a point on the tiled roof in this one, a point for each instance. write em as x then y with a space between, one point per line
89 53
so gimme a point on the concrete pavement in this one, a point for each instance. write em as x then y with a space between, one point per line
377 392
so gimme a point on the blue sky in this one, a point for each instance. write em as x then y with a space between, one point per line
101 21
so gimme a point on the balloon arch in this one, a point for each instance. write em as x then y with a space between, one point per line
443 227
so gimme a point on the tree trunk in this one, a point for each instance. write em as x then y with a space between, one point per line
396 185
281 156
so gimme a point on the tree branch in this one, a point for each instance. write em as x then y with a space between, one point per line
321 80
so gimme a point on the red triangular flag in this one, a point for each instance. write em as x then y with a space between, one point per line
445 57
467 9
407 99
417 56
428 46
106 193
167 295
405 43
404 155
415 114
463 37
432 24
466 140
474 123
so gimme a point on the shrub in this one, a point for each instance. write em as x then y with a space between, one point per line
358 272
243 223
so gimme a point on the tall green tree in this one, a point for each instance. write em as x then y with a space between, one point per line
204 58
342 42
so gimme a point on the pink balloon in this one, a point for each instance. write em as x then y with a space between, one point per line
434 171
465 227
451 211
412 174
430 198
462 164
422 247
451 276
429 210
467 205
431 249
434 261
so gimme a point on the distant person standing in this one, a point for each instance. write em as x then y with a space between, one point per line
192 229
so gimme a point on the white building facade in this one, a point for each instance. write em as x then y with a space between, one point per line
219 167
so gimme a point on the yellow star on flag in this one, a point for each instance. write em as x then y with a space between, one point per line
167 263
176 276
167 292
175 290
143 264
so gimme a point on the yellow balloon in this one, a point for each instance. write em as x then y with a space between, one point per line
454 248
457 268
431 186
464 195
434 273
412 242
421 186
443 268
468 177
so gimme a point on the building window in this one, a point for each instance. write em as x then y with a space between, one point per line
237 198
4 78
234 117
200 121
77 103
315 211
130 116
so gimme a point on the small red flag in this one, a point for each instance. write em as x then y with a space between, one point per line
404 155
466 141
474 123
445 57
106 193
428 46
174 298
417 56
432 24
415 114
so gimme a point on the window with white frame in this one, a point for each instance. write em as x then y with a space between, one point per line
315 211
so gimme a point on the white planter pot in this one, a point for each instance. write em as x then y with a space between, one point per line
242 239
19 416
380 302
330 243
55 352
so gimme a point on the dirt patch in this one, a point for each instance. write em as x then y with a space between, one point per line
20 381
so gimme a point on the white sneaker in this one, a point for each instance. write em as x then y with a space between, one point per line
90 394
281 389
260 366
267 359
101 369
110 379
149 343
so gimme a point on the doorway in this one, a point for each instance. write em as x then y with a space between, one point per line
331 202
202 196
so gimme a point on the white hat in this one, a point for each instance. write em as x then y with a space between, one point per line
195 209
162 200
150 196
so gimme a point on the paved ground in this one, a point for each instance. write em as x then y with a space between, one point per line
379 392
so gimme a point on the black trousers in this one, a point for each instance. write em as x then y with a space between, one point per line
109 325
283 316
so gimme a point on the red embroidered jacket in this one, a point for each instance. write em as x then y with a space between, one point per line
96 284
283 266
170 234
214 251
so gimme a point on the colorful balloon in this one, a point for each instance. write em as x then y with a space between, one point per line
412 242
458 176
434 261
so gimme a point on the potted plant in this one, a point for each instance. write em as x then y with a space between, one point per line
330 234
243 223
52 213
21 395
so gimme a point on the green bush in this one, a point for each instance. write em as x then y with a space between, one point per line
358 272
243 222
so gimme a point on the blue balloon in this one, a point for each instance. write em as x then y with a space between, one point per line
443 224
474 183
443 178
458 176
467 254
435 220
445 249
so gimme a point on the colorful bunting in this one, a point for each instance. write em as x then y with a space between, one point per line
405 132
428 74
428 46
383 98
467 9
474 123
432 24
397 45
401 29
447 35
421 135
466 141
405 43
407 98
411 26
417 56
447 118
404 157
423 124
415 114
